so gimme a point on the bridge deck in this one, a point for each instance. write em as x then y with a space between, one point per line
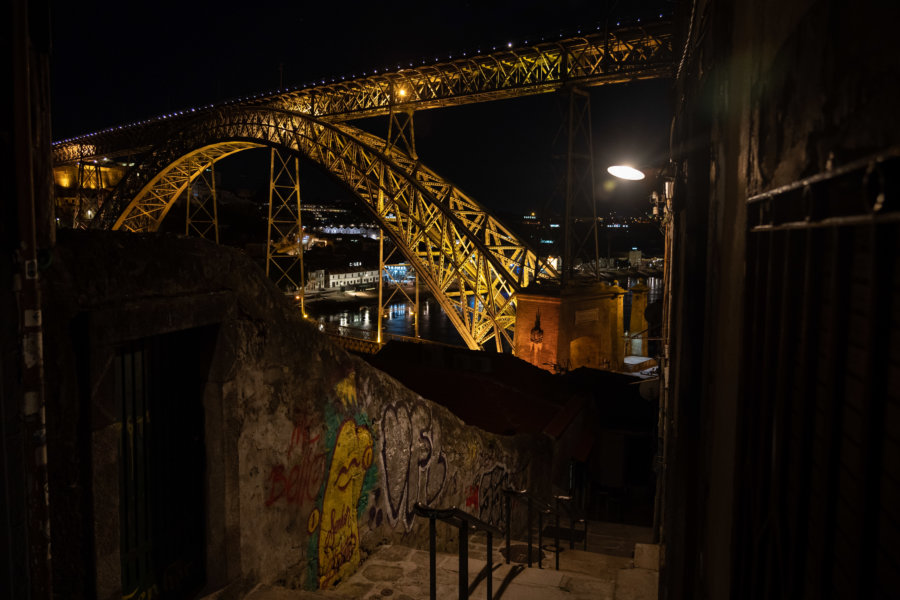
629 52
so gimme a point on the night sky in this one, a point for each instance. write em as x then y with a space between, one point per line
113 63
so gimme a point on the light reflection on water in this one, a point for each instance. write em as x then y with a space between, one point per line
653 294
399 319
433 323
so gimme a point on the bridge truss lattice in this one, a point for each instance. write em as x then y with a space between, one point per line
472 263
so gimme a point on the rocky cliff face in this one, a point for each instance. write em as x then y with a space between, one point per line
312 457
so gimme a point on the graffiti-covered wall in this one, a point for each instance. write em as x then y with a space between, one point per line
267 453
334 455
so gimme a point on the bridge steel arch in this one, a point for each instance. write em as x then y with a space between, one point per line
472 263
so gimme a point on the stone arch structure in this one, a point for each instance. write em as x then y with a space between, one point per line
472 263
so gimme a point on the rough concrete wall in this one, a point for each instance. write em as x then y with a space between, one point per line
334 455
313 456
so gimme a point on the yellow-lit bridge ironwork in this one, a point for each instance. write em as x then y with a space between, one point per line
624 54
474 265
638 51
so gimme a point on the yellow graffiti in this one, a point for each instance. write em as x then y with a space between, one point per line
471 451
148 594
338 527
346 390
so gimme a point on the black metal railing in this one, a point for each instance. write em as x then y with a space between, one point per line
465 522
568 502
535 505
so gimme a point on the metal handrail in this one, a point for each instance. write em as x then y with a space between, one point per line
464 521
573 518
543 508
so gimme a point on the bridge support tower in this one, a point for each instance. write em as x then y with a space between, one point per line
284 239
401 134
90 187
580 226
201 216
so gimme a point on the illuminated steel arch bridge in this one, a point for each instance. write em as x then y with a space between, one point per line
129 177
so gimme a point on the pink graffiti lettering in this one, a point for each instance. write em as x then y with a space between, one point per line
299 485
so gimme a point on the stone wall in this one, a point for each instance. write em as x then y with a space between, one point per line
313 457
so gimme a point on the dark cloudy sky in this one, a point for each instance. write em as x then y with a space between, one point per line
117 62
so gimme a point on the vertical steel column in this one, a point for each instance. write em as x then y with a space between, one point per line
584 547
385 275
556 535
490 565
463 560
432 559
380 265
401 137
416 280
284 240
529 532
81 200
579 184
198 216
556 525
572 531
540 539
90 177
508 522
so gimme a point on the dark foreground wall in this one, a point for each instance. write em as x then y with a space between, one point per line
784 441
201 433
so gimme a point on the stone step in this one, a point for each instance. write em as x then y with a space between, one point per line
615 539
403 573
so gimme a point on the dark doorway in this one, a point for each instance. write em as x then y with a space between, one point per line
159 389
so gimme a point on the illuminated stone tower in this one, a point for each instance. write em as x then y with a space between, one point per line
578 326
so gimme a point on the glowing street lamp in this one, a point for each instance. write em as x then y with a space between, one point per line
625 172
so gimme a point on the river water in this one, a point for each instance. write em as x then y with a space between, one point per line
355 319
360 319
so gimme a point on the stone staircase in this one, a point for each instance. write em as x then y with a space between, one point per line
400 572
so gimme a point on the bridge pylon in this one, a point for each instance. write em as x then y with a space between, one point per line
401 135
89 190
580 225
284 238
201 216
386 276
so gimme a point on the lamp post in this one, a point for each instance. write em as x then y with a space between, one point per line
661 198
